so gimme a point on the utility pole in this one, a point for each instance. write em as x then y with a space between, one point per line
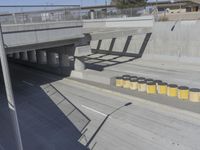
9 92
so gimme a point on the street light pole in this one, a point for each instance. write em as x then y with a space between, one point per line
9 92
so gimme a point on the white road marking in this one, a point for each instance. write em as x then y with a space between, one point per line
91 109
28 83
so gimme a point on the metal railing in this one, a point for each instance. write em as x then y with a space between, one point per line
38 13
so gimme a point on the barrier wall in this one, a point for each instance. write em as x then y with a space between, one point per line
132 45
143 21
173 41
177 41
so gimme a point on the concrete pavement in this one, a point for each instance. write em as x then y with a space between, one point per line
44 124
140 126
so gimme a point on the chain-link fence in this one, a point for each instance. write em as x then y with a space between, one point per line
113 13
36 14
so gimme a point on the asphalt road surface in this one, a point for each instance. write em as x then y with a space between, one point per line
45 125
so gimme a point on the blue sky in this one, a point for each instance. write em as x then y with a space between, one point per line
67 2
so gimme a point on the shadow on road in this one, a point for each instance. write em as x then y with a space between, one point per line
48 121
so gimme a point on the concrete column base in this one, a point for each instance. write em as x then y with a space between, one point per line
32 56
79 64
41 57
51 59
23 56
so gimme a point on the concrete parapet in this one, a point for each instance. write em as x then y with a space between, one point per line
82 50
41 35
142 21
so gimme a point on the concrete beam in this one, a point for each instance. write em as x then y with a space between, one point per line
42 34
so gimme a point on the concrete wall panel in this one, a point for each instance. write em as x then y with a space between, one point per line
180 44
136 43
119 44
143 21
105 44
94 44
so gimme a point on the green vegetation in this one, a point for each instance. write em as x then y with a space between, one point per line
129 3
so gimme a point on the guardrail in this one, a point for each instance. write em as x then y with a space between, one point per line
38 13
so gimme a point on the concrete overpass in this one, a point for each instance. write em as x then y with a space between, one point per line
44 43
149 49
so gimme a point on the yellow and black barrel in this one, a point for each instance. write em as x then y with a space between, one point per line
183 93
151 87
133 83
118 81
194 95
141 84
157 82
162 88
126 81
172 90
148 80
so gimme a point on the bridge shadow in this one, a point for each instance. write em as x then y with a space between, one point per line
107 58
48 120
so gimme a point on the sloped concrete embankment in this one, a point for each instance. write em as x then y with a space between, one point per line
175 41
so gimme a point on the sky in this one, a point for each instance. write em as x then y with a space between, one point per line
54 2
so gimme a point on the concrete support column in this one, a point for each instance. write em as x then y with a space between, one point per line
51 58
10 55
16 55
64 60
41 57
32 56
79 64
23 55
92 14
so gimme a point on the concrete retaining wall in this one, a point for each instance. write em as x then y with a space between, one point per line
165 43
143 21
127 45
180 44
